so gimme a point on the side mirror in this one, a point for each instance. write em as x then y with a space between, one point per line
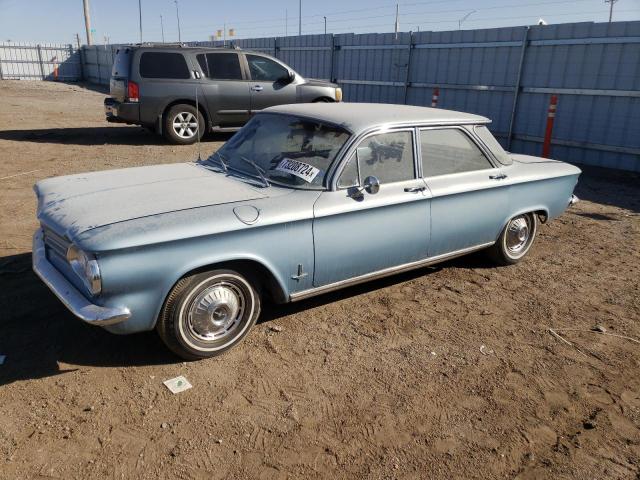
372 185
288 77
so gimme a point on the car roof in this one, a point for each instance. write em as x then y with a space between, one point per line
357 117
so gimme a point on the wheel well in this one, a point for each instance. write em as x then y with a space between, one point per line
324 99
201 109
253 270
543 216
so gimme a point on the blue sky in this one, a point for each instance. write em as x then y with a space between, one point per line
60 20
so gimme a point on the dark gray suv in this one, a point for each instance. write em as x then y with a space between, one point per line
155 86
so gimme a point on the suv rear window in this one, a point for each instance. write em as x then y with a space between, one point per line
163 65
221 66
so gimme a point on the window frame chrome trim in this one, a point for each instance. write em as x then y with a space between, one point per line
352 147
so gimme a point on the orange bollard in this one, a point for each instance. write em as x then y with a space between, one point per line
434 98
551 115
55 68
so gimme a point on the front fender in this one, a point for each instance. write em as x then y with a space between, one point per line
142 277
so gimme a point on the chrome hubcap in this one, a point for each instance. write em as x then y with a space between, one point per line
216 312
185 124
518 233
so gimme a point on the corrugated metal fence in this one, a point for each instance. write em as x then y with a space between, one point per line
42 61
506 74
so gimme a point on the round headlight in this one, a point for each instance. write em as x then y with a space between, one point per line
86 268
338 94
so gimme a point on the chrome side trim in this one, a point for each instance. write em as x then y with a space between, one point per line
312 292
68 294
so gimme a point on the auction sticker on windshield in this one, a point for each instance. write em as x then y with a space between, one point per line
299 169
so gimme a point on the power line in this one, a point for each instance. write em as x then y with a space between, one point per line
409 15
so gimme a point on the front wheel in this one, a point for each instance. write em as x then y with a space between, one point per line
208 313
515 240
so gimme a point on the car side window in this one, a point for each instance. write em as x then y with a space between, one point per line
349 176
221 66
386 156
163 65
449 150
265 69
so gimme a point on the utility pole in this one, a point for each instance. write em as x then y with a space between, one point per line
397 26
140 18
178 17
78 40
300 17
87 21
325 25
162 28
610 2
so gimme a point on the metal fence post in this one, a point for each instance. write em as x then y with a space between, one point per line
333 52
1 51
98 66
516 88
39 50
82 70
407 80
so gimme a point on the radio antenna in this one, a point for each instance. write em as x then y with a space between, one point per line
198 123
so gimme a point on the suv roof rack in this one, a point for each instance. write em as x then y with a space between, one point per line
231 45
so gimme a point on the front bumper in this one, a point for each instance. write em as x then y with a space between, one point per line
68 294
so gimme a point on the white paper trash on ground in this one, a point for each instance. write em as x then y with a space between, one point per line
178 384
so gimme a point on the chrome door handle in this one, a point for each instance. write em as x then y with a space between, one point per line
499 176
415 189
257 88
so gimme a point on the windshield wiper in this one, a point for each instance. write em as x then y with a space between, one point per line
257 169
220 161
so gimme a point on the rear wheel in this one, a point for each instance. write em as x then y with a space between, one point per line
183 124
208 313
515 240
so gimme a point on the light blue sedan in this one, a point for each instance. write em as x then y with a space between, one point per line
305 199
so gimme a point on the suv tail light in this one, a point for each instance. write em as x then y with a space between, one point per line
133 91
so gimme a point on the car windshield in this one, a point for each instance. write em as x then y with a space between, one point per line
283 149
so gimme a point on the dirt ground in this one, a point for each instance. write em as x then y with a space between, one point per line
447 372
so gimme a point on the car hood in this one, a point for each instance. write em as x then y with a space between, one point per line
316 82
76 203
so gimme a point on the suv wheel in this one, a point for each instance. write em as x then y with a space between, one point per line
183 124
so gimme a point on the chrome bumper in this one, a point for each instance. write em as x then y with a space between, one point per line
573 200
68 294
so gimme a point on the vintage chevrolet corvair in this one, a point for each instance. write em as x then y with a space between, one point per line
303 200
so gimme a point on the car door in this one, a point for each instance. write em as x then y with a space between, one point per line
270 83
469 195
162 77
356 232
224 88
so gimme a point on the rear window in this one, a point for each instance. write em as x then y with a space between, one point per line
121 62
163 65
221 66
